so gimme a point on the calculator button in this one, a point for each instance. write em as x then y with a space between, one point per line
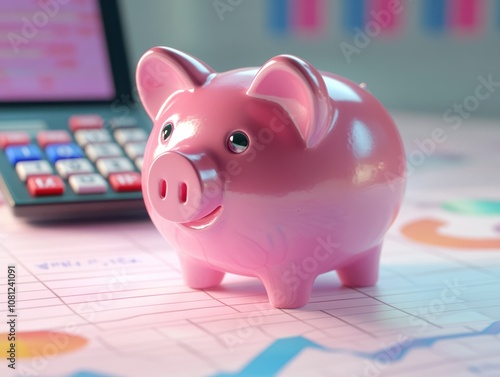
97 151
138 162
45 138
67 168
13 138
135 150
121 182
88 184
123 122
85 122
23 153
63 151
26 169
107 166
42 186
85 137
130 135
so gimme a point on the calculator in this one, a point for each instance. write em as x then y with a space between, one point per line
72 135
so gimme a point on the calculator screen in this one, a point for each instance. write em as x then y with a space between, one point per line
53 50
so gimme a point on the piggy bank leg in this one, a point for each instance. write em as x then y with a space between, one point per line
199 276
287 292
363 272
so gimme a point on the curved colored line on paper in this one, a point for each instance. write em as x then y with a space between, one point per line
427 231
282 351
473 207
86 373
39 343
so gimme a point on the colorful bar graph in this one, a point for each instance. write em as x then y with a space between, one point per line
437 16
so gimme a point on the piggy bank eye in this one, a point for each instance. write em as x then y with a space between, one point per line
237 142
166 131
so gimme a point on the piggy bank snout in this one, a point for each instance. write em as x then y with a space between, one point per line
183 188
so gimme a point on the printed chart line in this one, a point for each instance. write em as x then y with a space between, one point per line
275 357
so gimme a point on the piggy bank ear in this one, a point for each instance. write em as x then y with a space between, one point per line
162 71
300 89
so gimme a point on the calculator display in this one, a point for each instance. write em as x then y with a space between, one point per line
53 50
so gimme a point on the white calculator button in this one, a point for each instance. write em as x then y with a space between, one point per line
84 137
135 150
139 162
123 122
97 151
67 168
130 135
26 169
107 166
88 184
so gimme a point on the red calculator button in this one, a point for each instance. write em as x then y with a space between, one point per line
14 138
48 185
45 138
85 122
125 181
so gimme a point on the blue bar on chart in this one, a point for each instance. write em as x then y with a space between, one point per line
354 12
434 15
279 16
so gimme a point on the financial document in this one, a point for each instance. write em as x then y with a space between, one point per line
108 299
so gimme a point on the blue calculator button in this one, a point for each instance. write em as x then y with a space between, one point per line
57 152
23 153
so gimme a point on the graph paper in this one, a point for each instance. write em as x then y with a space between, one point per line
108 299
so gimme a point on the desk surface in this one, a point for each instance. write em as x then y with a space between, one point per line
108 299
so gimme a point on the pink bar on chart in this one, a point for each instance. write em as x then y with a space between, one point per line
308 15
465 15
388 13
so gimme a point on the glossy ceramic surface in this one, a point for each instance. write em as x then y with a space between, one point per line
280 173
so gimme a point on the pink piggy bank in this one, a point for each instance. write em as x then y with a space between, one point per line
280 173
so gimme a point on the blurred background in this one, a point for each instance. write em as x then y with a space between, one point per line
423 55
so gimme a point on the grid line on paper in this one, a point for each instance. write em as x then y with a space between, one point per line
197 325
403 311
350 324
55 294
